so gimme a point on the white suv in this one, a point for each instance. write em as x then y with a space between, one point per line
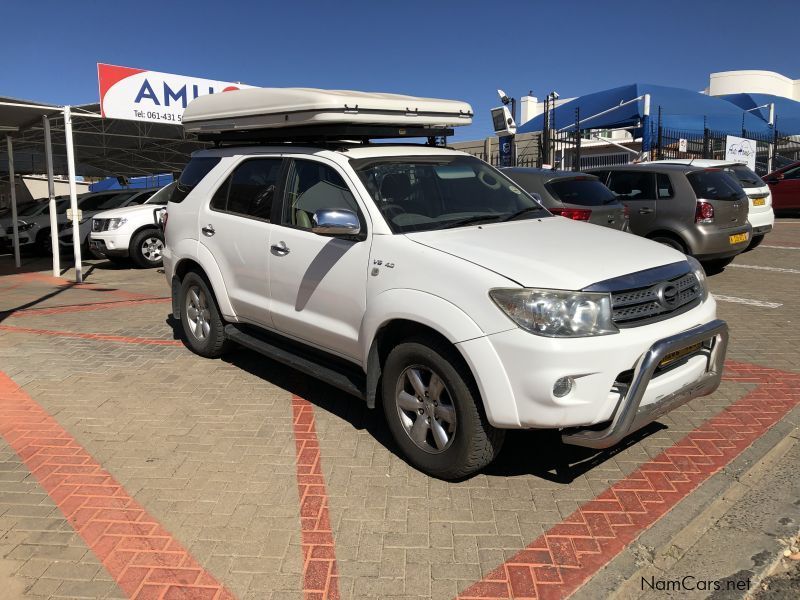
423 279
132 232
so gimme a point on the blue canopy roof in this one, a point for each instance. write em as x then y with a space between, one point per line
787 112
111 183
682 110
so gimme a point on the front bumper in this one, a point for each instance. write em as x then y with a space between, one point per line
110 244
630 415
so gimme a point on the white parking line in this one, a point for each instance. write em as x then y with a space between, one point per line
776 269
783 247
748 301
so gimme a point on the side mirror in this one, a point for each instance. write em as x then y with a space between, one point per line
336 221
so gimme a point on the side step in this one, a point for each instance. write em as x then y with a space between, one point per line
331 370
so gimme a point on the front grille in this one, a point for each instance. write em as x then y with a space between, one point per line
655 302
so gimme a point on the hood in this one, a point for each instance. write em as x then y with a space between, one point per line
115 213
553 252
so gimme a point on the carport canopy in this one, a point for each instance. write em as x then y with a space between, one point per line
84 144
786 110
681 109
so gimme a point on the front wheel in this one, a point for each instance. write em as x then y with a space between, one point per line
147 248
203 327
433 410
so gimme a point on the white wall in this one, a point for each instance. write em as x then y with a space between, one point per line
753 82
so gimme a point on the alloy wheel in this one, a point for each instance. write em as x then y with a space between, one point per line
197 313
426 409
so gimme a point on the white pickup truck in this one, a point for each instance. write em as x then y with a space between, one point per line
132 231
422 279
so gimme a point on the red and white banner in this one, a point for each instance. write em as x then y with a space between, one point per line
141 95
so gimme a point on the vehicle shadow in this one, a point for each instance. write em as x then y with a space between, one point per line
539 453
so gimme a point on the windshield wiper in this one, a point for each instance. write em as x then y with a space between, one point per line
473 219
524 211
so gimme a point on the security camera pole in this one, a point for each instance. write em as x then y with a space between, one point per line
508 147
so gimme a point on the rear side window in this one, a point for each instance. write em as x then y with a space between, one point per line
250 189
584 191
192 175
747 178
141 198
664 186
633 185
714 185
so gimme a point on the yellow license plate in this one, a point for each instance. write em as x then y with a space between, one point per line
738 238
679 354
759 201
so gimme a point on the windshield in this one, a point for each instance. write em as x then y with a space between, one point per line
161 197
583 191
419 193
32 209
715 185
747 178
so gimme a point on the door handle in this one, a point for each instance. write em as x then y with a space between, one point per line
645 211
280 248
208 230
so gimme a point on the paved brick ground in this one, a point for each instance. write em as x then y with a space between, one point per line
220 453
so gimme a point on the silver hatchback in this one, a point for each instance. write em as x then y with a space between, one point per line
699 211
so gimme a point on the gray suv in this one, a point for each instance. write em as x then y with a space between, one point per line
574 195
699 211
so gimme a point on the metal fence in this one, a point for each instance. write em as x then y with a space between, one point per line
670 143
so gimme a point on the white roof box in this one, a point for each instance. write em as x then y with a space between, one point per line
277 108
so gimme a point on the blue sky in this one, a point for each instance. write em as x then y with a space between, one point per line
443 48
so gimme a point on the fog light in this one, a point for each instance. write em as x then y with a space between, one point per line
563 386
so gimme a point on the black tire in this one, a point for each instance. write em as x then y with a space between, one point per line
208 341
755 242
712 267
670 241
146 249
473 442
44 245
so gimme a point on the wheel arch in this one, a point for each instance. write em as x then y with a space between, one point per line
206 267
674 235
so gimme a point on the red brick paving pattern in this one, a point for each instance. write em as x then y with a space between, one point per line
320 575
566 556
99 337
143 558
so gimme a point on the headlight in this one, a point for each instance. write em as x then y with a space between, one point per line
116 223
700 273
24 226
557 313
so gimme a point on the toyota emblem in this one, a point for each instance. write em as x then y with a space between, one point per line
667 295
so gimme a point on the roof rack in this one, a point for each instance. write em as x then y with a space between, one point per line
326 133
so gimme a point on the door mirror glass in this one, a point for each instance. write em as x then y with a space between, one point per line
336 221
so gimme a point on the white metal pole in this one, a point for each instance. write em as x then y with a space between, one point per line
13 183
73 195
771 147
51 192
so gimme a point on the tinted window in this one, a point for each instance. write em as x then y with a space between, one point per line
582 191
103 201
32 209
192 175
633 185
141 198
747 178
250 189
664 186
714 185
792 173
161 197
313 186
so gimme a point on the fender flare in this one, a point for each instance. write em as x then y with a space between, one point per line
202 256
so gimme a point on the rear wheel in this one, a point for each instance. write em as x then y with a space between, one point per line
433 410
203 327
669 241
755 242
147 248
712 267
44 244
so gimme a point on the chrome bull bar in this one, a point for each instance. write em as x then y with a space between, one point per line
628 416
